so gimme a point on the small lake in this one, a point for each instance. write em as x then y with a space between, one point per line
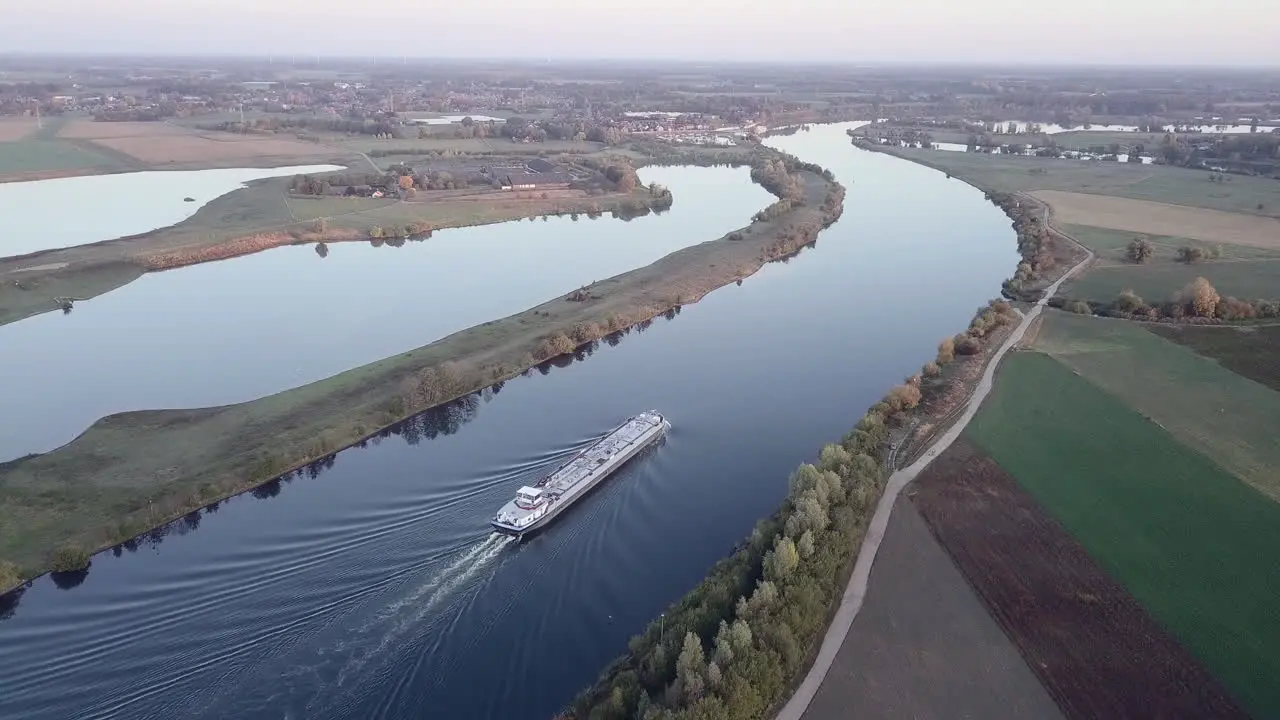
1023 126
370 585
240 329
1069 155
452 119
64 212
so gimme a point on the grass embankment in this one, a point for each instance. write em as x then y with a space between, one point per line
132 471
261 216
1228 418
1199 549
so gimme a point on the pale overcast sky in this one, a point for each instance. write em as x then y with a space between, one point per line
1218 32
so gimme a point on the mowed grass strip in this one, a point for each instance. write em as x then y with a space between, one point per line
1229 418
1199 549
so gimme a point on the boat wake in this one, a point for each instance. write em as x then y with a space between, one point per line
411 611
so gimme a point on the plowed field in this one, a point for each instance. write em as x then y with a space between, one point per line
1093 646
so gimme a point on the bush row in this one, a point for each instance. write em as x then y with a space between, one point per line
1198 302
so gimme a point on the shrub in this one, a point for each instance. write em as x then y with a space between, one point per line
1140 250
9 575
1128 301
70 558
1078 307
584 333
968 346
1189 255
946 351
931 369
554 346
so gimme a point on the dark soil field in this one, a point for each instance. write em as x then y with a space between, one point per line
1253 352
923 645
1095 649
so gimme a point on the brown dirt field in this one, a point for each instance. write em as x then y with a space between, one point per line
924 646
1160 219
161 149
13 129
85 129
1093 646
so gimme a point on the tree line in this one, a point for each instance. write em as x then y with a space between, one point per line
1198 302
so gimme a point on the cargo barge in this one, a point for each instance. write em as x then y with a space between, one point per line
535 506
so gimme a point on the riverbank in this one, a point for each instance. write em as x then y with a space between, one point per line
137 470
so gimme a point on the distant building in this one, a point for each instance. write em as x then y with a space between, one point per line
534 181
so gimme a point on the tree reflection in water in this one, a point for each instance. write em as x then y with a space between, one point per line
442 420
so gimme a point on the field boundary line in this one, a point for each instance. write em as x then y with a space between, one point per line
856 591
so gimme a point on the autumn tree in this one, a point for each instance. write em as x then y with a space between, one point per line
1140 250
1201 297
946 351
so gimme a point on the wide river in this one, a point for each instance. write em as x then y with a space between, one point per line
371 587
237 330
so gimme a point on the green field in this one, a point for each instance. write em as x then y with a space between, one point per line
34 155
1110 245
1229 418
1199 549
1158 282
1252 351
1157 183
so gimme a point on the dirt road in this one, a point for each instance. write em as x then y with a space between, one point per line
855 593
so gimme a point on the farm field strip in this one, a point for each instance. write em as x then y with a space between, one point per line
1111 246
1230 419
924 645
1095 649
1156 283
1199 549
1250 351
1155 183
1143 216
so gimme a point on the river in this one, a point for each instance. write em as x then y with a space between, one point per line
371 587
64 212
275 320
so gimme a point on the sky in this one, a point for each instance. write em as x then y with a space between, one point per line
1145 32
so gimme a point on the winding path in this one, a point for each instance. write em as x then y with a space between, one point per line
856 591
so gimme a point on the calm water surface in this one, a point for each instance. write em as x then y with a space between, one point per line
371 587
59 213
240 329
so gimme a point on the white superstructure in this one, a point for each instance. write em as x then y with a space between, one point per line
535 506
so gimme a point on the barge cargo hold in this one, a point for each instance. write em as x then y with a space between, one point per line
534 507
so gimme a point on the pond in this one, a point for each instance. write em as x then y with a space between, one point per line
370 586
